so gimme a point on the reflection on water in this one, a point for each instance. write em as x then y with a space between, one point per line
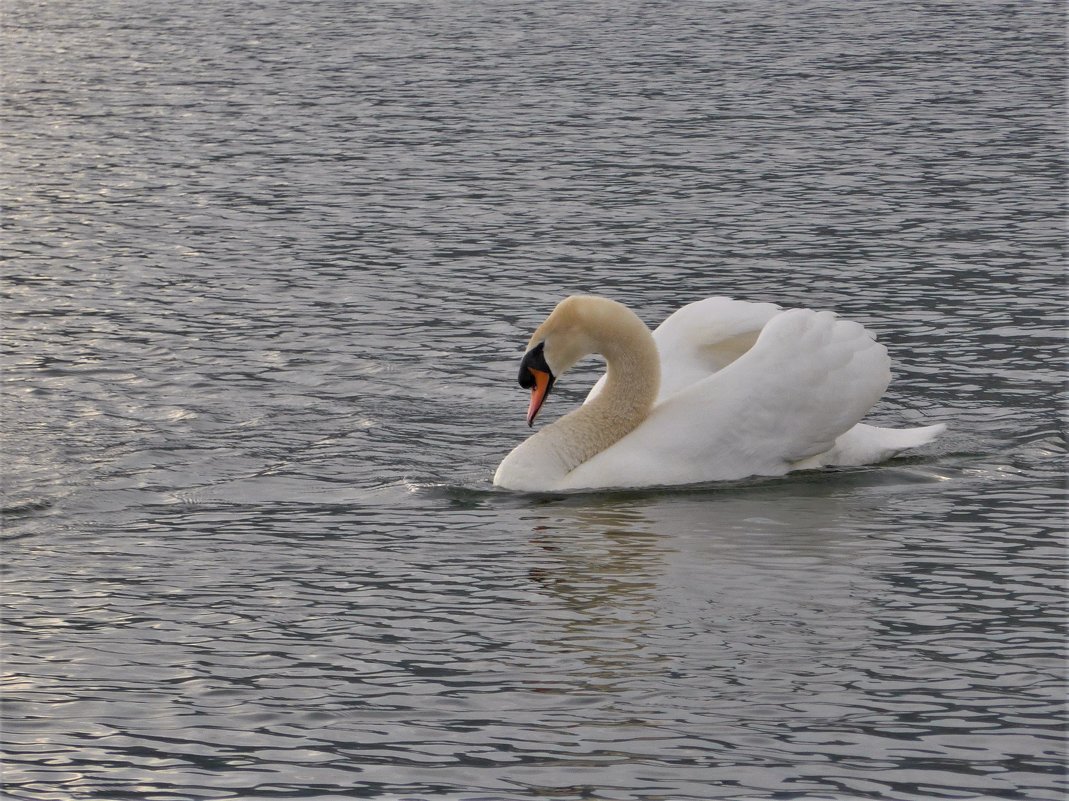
604 568
815 632
268 277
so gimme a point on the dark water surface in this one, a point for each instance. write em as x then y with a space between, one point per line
269 269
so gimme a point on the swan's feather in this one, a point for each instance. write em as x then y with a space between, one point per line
808 379
706 336
702 337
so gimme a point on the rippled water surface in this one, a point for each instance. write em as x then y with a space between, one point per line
269 269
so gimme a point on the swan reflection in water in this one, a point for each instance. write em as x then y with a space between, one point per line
747 581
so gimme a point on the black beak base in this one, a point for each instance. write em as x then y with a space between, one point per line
535 359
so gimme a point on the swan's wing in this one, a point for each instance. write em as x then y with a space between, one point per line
703 337
810 377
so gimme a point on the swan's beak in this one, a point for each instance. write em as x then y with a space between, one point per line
536 376
542 383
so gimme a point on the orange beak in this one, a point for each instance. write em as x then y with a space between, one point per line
542 382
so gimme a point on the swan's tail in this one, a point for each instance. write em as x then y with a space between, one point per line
865 444
897 440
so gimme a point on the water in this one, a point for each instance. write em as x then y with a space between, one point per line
270 268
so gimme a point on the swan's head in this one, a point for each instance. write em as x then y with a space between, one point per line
576 328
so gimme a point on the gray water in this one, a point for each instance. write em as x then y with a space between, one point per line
269 271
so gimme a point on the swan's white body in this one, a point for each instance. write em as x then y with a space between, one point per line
745 389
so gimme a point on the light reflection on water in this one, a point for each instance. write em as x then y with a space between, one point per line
269 276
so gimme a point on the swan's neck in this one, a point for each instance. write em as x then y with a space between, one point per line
632 380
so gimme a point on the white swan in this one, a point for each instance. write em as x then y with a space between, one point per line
723 389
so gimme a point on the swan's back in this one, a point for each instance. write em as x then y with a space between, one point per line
808 378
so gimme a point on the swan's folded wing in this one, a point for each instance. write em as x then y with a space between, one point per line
706 336
810 377
703 337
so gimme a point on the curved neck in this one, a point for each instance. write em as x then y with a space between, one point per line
632 380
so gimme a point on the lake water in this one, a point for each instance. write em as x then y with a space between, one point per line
269 271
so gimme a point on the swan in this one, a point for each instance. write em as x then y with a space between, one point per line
723 389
